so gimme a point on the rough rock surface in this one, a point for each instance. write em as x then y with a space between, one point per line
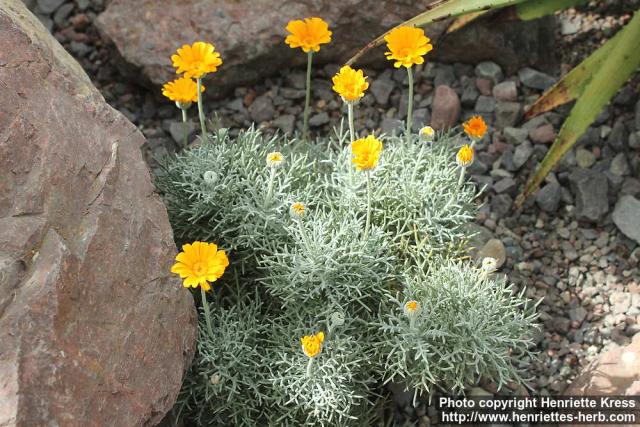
93 330
250 35
614 373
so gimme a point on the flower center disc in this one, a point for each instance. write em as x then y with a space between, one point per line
199 269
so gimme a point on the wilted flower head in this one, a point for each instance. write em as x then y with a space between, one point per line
275 159
407 46
297 210
196 60
465 156
475 127
427 133
350 84
411 308
200 263
308 34
489 265
183 91
210 178
366 152
312 344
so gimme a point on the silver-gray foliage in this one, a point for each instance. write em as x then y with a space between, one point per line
293 276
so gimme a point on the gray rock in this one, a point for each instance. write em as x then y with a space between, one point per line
521 154
319 119
506 91
489 70
485 104
590 188
535 79
505 185
585 158
634 140
618 136
49 6
501 204
62 14
382 87
420 118
515 136
569 26
285 123
177 129
548 197
445 75
637 118
391 126
262 109
619 166
469 93
578 314
544 134
626 216
83 4
507 114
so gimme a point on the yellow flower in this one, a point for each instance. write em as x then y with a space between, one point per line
200 263
411 308
297 210
366 152
197 60
183 91
427 133
407 46
275 159
312 344
465 156
350 84
308 34
475 127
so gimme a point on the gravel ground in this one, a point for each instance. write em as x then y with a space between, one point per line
564 245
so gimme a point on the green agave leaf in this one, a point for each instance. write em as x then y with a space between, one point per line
533 9
572 85
612 74
438 11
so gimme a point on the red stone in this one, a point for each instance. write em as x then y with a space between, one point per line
94 331
445 108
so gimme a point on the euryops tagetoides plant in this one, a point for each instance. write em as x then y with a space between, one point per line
327 269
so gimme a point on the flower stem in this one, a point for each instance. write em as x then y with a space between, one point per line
203 128
272 177
184 127
207 314
352 131
461 180
368 223
309 365
305 124
410 105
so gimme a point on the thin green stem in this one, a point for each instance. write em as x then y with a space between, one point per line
305 124
352 130
184 127
309 365
368 223
410 106
207 314
203 127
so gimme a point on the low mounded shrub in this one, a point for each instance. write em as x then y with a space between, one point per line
401 302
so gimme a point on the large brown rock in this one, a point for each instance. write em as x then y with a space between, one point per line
614 373
93 330
250 35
